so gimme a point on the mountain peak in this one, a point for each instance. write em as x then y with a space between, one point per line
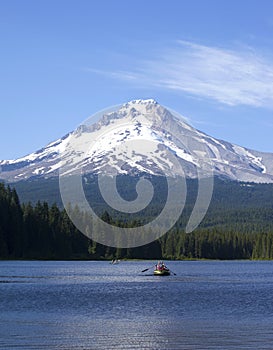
140 102
134 111
137 107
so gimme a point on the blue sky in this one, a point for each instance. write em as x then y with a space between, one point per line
62 61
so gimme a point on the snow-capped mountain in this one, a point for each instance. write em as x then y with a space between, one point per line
141 136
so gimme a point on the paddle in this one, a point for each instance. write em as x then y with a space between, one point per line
172 272
147 269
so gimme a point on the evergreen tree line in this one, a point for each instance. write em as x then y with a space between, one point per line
41 231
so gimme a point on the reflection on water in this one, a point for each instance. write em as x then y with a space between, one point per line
96 305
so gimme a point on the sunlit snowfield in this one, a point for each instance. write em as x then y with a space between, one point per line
96 305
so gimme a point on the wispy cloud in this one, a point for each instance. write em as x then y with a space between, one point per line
231 77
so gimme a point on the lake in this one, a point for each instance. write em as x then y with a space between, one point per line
96 305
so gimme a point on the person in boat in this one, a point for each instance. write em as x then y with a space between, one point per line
160 266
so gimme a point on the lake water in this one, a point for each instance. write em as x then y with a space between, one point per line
96 305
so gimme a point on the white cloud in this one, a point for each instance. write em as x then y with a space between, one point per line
232 77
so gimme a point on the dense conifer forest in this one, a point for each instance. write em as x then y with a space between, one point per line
241 229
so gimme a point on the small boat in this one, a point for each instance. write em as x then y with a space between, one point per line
115 261
161 270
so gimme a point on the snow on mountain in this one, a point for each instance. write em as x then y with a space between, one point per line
44 162
141 137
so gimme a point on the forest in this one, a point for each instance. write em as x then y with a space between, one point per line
43 231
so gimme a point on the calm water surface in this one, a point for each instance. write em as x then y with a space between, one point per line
96 305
